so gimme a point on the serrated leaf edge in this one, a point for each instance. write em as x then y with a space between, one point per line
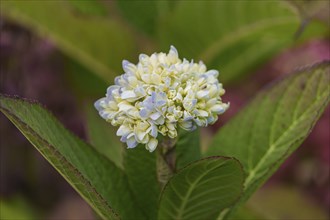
58 155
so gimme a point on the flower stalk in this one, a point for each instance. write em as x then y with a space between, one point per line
166 160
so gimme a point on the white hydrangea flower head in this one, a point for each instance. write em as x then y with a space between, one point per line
160 94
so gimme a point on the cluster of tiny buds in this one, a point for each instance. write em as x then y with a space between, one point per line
159 95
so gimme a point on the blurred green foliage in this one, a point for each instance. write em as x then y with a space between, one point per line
284 202
280 202
98 43
16 209
232 36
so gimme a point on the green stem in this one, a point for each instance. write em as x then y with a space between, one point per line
165 160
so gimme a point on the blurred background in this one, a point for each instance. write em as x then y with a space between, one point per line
65 53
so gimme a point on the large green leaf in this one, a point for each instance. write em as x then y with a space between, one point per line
232 36
96 179
97 42
274 124
140 167
187 148
202 189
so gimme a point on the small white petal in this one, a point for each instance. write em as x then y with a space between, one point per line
202 94
111 89
144 113
214 73
125 64
128 67
154 131
152 144
203 113
146 78
140 91
125 106
140 134
143 57
186 125
173 55
123 131
160 120
172 133
98 104
155 79
173 50
131 142
170 126
128 94
218 109
155 116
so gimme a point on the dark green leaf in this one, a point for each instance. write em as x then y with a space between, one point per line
140 167
202 189
274 124
187 148
95 178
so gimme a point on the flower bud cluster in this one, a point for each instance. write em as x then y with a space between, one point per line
160 94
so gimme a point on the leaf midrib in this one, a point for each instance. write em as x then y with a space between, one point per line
252 172
190 190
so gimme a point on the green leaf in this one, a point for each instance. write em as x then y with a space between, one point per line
97 42
96 179
202 189
230 36
187 148
140 167
274 124
102 136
